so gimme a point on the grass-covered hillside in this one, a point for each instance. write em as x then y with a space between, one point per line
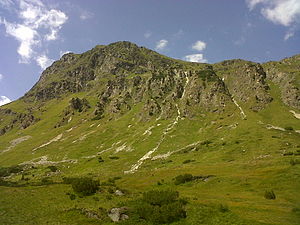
123 133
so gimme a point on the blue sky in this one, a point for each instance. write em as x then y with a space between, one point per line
34 33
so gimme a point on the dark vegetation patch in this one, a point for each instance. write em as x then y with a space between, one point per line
7 171
184 178
83 186
188 161
160 207
270 194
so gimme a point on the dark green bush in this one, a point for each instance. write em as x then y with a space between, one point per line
289 128
294 162
181 179
114 157
83 186
100 160
288 153
223 208
52 168
188 161
161 207
270 194
72 196
6 171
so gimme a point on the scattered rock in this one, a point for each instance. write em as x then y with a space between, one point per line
118 214
119 193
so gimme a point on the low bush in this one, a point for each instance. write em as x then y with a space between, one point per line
52 168
181 179
6 171
83 185
188 161
289 128
223 208
270 195
161 207
100 160
114 157
294 162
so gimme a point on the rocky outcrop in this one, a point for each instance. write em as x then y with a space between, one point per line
15 120
286 75
246 82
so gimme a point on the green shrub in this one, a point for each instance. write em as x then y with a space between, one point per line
294 162
84 186
188 161
288 153
270 195
100 160
72 196
289 128
161 207
181 179
47 180
114 157
223 208
6 171
52 168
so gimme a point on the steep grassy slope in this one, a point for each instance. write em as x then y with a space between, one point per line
139 121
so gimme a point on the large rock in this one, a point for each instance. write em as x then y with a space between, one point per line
118 214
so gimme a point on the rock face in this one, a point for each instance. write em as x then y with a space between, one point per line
15 120
286 74
246 82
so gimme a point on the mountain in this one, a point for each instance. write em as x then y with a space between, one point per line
136 120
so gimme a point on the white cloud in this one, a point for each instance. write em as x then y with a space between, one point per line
39 24
25 35
6 3
283 12
161 45
84 15
4 100
147 34
1 76
289 34
195 58
199 45
61 53
43 61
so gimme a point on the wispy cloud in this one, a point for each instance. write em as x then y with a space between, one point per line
7 4
282 12
39 24
1 76
147 34
199 45
85 15
61 53
43 61
4 100
199 58
161 45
